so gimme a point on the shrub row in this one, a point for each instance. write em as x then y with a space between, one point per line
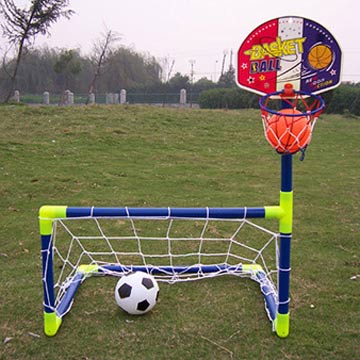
228 98
344 99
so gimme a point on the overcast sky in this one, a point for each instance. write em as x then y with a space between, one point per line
201 30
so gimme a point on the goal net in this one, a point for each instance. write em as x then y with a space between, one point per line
171 244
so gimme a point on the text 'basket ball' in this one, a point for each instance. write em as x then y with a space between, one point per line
288 134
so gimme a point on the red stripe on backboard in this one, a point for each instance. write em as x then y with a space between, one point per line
256 63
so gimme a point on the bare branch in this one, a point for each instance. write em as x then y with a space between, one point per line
101 49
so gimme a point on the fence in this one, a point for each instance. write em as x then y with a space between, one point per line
179 99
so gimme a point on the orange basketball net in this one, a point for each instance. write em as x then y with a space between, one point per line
289 118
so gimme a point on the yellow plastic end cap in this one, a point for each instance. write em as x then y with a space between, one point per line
282 325
51 323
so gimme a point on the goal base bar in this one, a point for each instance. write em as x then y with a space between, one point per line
53 319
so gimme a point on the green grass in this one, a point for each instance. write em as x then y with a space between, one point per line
145 156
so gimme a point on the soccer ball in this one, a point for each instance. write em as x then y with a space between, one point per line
137 293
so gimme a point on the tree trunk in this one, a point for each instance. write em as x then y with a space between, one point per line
14 74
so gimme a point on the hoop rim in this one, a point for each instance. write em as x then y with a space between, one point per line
281 95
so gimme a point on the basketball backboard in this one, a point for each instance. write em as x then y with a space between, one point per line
292 50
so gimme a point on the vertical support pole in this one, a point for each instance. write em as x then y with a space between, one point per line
285 228
51 320
47 214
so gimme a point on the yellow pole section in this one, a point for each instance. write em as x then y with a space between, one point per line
286 204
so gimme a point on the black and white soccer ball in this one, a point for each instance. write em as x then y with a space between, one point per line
137 293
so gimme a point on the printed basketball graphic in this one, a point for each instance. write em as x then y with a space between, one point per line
320 57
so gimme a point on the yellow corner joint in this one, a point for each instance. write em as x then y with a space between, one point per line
47 214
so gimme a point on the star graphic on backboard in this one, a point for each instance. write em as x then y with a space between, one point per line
333 72
262 77
244 66
250 80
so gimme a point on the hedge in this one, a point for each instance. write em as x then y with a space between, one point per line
344 99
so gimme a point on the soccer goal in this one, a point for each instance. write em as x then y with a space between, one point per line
172 244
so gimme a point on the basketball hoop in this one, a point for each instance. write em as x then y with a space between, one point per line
289 117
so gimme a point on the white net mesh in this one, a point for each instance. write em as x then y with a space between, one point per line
171 249
288 134
289 118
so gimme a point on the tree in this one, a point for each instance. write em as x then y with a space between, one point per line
203 84
179 81
127 69
36 71
227 79
67 66
167 67
100 51
22 25
54 70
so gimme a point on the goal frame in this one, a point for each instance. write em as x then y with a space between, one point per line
277 309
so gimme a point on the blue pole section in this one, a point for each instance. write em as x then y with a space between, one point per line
284 273
66 302
198 213
47 272
286 172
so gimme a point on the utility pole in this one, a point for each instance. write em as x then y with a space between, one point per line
223 62
215 70
231 55
192 63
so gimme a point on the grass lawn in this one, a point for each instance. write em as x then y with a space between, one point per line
147 156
